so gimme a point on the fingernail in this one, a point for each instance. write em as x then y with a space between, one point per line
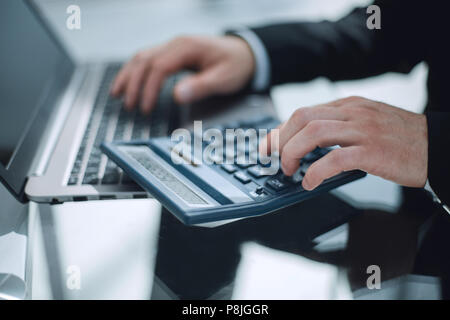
185 92
306 185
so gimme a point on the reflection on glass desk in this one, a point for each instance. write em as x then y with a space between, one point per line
201 263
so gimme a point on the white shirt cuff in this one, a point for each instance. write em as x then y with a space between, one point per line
261 78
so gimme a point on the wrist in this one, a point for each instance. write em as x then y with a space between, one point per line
262 69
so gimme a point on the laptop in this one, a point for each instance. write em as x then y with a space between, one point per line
55 113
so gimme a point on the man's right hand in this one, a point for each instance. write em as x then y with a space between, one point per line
223 65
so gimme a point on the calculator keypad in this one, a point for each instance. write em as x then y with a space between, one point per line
258 179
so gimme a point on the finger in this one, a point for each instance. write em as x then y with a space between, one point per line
301 117
120 80
134 84
167 62
318 133
335 162
268 142
198 86
151 89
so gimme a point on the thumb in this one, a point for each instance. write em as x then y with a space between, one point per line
196 87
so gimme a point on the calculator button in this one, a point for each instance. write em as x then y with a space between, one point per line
297 176
259 190
259 193
310 157
242 177
244 165
229 168
255 171
276 184
258 171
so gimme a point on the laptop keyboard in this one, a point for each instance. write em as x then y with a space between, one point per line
110 121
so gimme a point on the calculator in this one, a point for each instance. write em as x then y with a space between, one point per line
218 190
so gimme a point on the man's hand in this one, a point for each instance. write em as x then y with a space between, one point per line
374 137
224 65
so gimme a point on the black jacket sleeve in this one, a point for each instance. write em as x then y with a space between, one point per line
347 48
439 154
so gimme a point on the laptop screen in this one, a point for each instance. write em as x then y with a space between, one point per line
32 65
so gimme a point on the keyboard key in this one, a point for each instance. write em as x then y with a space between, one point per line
91 170
229 168
111 178
242 177
72 180
276 184
90 179
127 180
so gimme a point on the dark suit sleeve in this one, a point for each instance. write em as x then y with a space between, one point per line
346 49
438 154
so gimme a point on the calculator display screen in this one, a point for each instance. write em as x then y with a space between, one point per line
165 177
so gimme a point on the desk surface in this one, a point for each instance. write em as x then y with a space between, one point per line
133 249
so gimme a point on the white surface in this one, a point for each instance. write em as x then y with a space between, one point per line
13 239
112 243
13 254
265 273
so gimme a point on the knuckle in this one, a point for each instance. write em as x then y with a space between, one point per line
372 125
160 65
314 127
354 99
348 112
299 116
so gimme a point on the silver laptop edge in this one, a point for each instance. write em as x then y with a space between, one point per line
49 182
60 142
